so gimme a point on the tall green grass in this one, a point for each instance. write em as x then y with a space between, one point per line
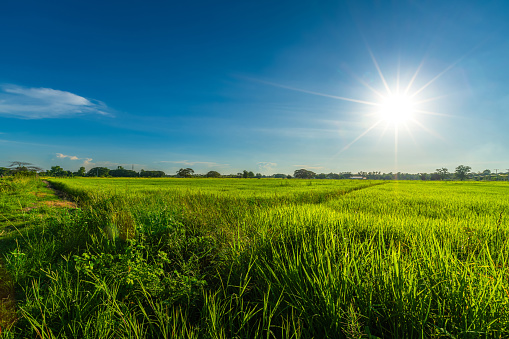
263 258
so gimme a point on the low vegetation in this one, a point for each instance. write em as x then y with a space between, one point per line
229 258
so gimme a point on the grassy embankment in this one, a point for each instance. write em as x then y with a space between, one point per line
272 258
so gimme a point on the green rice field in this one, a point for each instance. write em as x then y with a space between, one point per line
254 258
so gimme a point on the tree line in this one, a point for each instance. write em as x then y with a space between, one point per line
461 172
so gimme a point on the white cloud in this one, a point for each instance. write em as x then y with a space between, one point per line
38 103
266 167
72 157
193 163
86 161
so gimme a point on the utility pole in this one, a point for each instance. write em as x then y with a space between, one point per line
507 174
496 173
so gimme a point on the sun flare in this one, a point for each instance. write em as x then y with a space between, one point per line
393 109
396 109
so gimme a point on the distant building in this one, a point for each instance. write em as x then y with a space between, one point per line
357 177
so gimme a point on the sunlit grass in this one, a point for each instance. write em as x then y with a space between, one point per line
266 258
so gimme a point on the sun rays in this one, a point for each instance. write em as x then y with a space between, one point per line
395 107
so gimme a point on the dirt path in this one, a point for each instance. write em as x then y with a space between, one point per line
61 194
65 200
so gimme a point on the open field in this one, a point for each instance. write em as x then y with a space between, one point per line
241 258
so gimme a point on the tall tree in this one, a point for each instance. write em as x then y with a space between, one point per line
20 166
98 172
185 172
81 172
462 172
442 172
57 171
304 174
213 174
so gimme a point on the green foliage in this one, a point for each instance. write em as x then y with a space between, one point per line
442 173
304 174
98 172
185 172
81 172
152 174
213 174
122 172
462 172
229 258
4 171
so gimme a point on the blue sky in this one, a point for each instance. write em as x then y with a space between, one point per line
261 85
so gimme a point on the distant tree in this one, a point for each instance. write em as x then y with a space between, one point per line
345 175
462 172
423 176
304 174
56 171
288 176
98 172
374 175
250 174
486 174
333 176
435 176
321 176
388 176
213 174
279 176
442 172
122 172
151 174
81 172
258 175
185 172
20 166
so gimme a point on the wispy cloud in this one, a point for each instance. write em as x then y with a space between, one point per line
193 163
38 103
86 161
72 157
266 167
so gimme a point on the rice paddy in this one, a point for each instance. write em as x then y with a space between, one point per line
253 258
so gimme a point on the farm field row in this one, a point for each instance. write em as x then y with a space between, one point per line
221 258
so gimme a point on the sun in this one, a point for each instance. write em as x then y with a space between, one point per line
400 107
396 109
